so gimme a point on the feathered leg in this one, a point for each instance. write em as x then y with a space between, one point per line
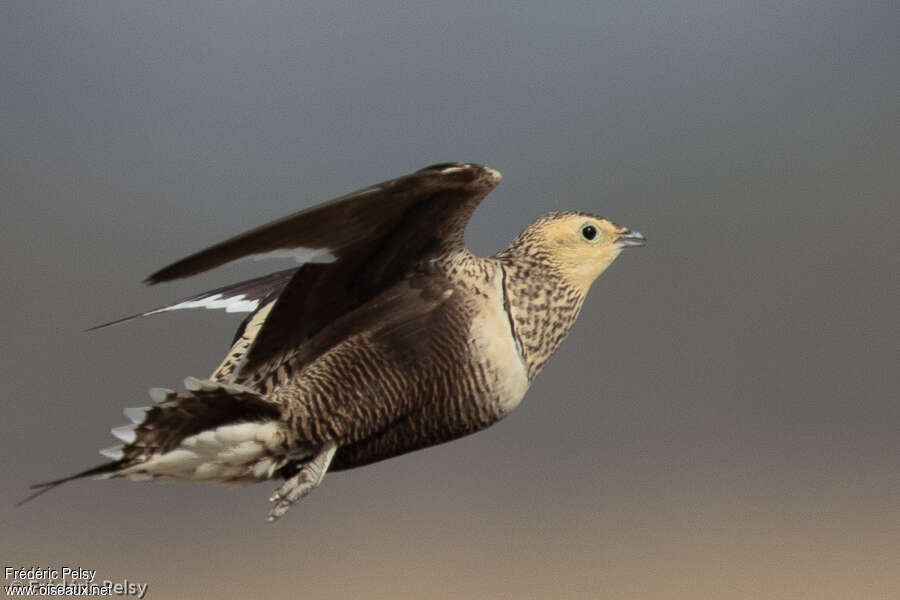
302 483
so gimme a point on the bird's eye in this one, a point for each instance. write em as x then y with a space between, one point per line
589 232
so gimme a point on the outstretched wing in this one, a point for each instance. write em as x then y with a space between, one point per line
360 244
442 196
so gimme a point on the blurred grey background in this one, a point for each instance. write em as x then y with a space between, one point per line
722 423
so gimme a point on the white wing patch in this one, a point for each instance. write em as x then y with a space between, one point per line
239 303
231 304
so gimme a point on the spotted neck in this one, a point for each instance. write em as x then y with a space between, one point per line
541 306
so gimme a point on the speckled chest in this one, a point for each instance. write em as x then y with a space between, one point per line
495 363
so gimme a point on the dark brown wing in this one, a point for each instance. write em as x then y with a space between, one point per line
372 238
356 223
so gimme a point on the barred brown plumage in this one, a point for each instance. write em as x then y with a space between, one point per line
390 338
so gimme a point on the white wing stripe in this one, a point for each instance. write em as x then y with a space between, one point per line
231 304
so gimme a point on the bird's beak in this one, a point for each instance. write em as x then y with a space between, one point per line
630 238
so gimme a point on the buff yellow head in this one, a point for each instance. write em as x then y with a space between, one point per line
580 245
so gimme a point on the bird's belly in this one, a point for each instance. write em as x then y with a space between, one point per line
490 384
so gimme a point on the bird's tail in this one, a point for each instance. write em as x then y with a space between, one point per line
215 432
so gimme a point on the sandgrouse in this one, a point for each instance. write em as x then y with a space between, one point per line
390 337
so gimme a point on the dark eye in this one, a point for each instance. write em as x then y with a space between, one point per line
589 232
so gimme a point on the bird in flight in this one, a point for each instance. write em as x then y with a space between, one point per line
390 337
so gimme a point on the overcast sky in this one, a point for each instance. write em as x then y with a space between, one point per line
723 422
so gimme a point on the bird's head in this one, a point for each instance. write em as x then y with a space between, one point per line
580 245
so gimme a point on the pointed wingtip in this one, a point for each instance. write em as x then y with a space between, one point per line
111 323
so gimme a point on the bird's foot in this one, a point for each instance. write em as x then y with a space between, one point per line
302 483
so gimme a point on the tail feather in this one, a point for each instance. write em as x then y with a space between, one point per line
215 432
208 405
46 486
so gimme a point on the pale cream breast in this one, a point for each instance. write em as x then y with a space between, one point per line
493 347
